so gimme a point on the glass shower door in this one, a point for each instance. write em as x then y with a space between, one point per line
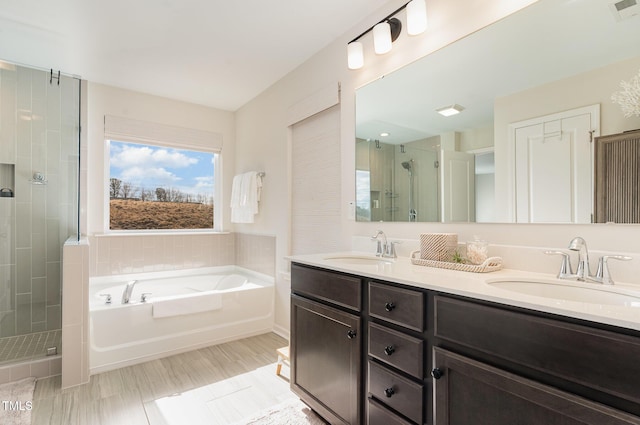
39 169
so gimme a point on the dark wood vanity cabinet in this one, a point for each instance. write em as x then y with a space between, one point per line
326 343
495 365
386 353
395 378
469 392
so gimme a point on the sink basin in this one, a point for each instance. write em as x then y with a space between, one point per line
356 259
592 293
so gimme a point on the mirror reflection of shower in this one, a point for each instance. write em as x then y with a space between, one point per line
413 214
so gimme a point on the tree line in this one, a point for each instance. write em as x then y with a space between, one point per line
119 189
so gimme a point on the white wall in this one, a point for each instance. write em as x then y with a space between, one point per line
263 138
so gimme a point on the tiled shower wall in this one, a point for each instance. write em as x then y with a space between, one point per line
123 254
38 133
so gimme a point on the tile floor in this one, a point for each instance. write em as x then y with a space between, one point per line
222 384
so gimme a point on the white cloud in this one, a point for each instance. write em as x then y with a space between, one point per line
205 182
145 157
160 176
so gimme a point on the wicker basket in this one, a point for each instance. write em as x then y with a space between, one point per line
491 264
438 246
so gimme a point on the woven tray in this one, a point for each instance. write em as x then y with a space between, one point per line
491 264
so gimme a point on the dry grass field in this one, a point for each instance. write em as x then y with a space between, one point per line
138 215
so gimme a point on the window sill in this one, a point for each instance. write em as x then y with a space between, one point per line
160 233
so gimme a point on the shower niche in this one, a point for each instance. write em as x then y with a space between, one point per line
7 180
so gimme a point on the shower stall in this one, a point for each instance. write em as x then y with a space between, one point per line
39 205
398 182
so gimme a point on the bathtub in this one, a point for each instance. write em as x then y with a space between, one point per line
230 303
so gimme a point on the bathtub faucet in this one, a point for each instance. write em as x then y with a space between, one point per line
126 295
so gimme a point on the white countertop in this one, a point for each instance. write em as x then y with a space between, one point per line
475 285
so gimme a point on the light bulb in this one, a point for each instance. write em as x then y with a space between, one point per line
416 17
355 55
382 38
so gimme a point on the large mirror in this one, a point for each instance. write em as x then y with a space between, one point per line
532 92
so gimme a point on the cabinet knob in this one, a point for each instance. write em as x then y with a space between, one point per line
389 392
389 350
351 334
437 373
389 306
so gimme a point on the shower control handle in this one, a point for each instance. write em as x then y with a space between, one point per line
107 298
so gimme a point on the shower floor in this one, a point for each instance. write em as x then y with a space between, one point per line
25 347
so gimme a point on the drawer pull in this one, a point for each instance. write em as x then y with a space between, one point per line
351 334
437 373
389 392
389 350
389 306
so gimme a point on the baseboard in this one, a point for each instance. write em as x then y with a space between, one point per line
281 331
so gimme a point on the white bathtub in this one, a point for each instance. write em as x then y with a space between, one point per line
125 334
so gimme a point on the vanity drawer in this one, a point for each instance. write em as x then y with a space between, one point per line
403 307
397 349
332 287
594 358
401 394
377 414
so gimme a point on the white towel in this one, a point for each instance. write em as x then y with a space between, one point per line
236 190
186 304
245 197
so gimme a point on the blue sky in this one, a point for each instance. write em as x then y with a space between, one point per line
156 166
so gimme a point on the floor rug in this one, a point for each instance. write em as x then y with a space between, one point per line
290 412
16 401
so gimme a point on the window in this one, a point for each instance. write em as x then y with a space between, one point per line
153 187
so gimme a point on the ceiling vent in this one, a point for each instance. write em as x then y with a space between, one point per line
624 9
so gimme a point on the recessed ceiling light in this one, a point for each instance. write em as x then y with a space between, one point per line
447 111
385 134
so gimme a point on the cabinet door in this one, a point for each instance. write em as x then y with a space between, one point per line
325 360
595 359
468 392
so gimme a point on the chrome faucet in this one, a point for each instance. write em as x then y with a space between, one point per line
381 246
126 295
583 272
384 248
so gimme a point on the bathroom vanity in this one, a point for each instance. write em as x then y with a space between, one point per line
393 343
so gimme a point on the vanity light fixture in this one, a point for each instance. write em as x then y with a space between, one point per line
448 111
387 31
